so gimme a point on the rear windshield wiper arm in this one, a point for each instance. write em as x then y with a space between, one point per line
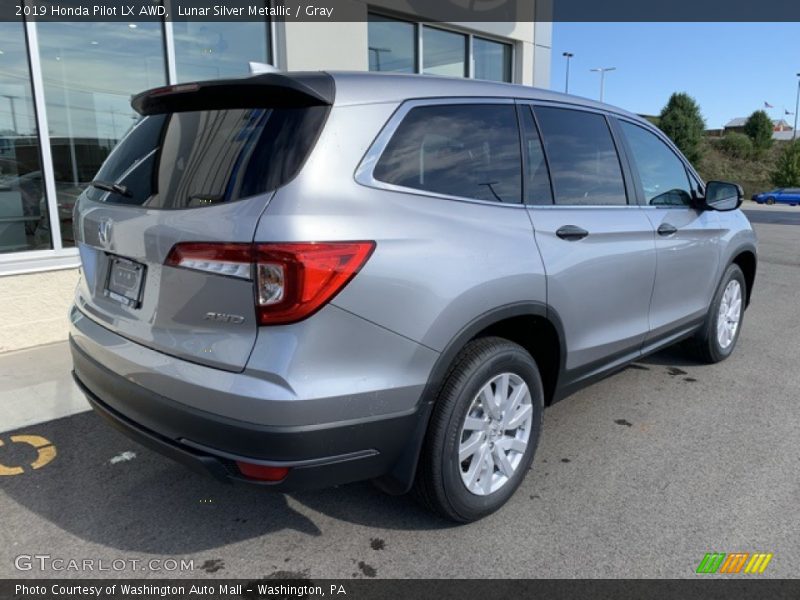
111 187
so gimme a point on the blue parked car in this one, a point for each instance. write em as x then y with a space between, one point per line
784 195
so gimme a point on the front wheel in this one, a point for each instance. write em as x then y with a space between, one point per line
483 432
716 340
770 201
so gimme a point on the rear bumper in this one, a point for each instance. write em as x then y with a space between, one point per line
317 456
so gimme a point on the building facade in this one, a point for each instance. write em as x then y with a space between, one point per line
65 92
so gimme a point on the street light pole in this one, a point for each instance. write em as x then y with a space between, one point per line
568 55
796 106
603 71
13 110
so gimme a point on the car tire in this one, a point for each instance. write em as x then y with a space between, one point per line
715 341
488 365
770 200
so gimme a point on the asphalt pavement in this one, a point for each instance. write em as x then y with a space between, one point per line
639 475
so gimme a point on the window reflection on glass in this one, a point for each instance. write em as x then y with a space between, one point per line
207 50
583 159
392 45
444 53
465 150
663 176
492 60
23 208
90 72
198 158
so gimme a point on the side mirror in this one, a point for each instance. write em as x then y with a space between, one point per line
722 196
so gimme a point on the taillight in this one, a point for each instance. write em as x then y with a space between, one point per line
292 280
233 260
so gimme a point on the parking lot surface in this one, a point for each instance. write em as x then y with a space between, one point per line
639 475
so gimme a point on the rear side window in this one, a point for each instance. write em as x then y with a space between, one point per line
467 150
200 158
662 174
583 159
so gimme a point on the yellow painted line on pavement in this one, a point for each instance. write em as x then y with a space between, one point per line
46 452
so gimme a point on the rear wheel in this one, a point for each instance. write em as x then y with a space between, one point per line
717 339
483 432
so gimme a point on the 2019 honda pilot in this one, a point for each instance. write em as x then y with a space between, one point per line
307 279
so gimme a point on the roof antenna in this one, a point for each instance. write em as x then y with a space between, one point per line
257 68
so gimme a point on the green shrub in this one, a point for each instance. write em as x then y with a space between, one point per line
759 129
736 145
787 169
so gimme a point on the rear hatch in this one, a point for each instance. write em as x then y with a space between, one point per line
200 166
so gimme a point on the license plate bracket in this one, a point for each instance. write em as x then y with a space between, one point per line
125 281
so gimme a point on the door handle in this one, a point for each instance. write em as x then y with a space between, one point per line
571 233
666 229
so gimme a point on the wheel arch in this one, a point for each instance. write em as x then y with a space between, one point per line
533 325
745 259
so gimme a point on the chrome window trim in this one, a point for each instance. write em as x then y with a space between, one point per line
581 206
364 172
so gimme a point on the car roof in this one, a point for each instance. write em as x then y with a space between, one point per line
359 87
346 88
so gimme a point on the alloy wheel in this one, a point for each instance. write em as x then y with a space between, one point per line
730 313
495 434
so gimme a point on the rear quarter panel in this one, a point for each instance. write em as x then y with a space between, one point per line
438 263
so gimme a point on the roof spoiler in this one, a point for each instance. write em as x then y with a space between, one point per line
268 90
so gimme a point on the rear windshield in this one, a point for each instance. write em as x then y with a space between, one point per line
201 158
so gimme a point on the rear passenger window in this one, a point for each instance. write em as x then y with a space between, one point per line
583 159
663 175
467 150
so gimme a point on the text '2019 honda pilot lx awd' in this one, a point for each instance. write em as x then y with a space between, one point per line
306 279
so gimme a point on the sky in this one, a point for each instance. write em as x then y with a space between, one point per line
730 69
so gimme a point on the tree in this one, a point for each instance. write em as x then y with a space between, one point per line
759 129
682 122
787 170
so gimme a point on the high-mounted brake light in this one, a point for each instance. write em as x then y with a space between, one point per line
292 280
174 89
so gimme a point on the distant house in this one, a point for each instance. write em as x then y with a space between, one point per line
735 125
779 127
784 136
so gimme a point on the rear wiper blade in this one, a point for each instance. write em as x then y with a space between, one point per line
111 187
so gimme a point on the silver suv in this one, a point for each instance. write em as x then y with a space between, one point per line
307 279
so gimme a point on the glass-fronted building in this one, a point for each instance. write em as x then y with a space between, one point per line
65 91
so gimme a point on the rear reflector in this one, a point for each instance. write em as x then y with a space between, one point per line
262 472
292 280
